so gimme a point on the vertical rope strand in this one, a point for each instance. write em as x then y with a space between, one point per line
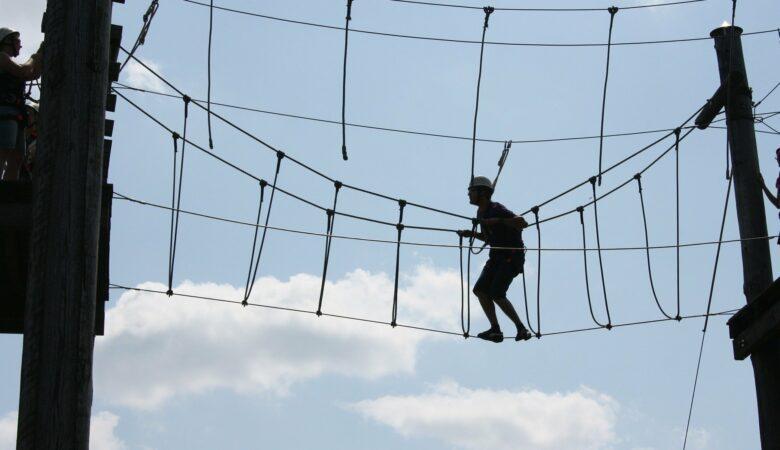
400 227
465 299
331 213
638 178
208 88
535 210
581 211
598 247
488 11
279 157
677 212
612 11
344 85
176 193
245 301
173 214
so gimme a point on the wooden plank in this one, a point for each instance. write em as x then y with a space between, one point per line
763 328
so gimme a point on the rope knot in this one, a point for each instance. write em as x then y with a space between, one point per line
263 184
608 327
488 11
399 226
175 136
402 204
338 185
393 324
169 293
592 180
349 11
244 303
638 176
186 98
329 212
466 335
677 132
474 222
535 210
319 313
612 10
280 155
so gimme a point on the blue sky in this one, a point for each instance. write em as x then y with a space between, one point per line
181 373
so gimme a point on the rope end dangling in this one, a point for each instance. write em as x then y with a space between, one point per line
211 144
344 155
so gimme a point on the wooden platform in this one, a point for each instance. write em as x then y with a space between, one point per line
756 322
15 227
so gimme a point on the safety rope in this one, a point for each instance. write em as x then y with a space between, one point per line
502 161
709 305
279 157
141 39
344 85
331 216
638 178
488 11
581 211
263 185
538 332
612 11
465 297
592 180
527 315
176 196
208 95
400 227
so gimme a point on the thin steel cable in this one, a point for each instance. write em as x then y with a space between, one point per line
279 158
344 85
632 7
585 265
263 184
331 215
399 325
638 179
612 11
488 11
757 104
208 71
598 251
400 130
464 41
119 196
400 228
706 317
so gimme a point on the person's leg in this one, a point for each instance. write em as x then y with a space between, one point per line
505 273
9 139
481 290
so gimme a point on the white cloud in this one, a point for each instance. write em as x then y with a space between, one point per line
497 419
138 76
157 348
101 436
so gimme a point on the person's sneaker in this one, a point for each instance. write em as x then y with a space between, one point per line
523 335
492 335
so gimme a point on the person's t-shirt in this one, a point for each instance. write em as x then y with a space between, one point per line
500 235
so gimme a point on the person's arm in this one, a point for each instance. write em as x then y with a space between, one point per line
27 71
469 233
516 222
772 198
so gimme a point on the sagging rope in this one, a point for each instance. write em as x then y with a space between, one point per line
263 185
400 227
344 85
581 211
176 195
208 88
488 11
638 178
612 11
465 297
251 284
592 180
331 216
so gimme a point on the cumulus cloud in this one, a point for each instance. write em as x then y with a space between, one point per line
157 348
138 76
101 436
500 419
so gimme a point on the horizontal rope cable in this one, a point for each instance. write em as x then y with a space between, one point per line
288 193
398 325
290 158
399 130
631 7
119 196
385 196
465 41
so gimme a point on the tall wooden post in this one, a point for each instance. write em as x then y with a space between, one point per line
56 378
756 264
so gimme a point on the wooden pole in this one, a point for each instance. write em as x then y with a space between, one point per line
756 263
56 377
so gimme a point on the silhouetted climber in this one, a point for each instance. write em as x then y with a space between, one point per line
500 227
774 199
12 114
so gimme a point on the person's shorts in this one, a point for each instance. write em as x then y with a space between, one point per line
497 275
11 130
